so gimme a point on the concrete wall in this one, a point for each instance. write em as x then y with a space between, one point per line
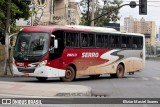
42 16
54 12
60 12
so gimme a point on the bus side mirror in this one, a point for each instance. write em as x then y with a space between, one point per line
55 43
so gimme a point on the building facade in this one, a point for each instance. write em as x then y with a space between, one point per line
53 12
66 12
148 28
129 24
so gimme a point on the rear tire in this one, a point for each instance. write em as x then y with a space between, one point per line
70 75
42 79
120 71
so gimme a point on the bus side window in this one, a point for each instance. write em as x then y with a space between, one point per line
84 40
105 40
124 42
140 42
137 42
117 41
99 40
76 40
72 39
129 41
91 40
134 45
68 39
111 40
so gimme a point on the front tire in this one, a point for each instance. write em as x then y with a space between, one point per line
70 75
42 79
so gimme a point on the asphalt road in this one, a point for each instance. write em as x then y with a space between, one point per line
143 84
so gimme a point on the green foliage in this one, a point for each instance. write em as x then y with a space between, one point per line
109 7
18 10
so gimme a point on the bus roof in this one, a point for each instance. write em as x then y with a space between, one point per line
75 28
95 29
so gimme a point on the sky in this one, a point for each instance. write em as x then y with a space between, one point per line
153 11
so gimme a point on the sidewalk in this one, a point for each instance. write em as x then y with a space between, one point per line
43 90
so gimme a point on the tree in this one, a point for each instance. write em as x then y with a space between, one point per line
10 11
18 10
109 6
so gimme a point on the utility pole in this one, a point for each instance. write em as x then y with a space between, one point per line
88 17
93 6
7 31
51 10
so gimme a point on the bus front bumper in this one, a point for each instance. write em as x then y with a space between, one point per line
43 71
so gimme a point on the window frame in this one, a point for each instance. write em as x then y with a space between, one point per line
65 38
114 45
104 36
81 41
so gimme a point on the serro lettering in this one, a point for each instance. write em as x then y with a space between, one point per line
90 54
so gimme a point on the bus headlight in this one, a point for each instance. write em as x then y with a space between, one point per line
43 63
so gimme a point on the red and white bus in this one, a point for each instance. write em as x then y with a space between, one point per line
71 51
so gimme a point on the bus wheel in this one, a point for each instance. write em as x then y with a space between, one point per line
69 75
120 71
94 76
42 78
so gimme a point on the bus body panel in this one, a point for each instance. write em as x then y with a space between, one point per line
106 61
87 62
44 71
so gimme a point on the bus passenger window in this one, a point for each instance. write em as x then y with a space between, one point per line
99 40
111 40
72 39
129 41
134 46
105 40
91 40
140 42
68 40
117 41
135 43
124 42
84 39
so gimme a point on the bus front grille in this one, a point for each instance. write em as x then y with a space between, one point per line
26 70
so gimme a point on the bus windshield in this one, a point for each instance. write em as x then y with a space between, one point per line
31 45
